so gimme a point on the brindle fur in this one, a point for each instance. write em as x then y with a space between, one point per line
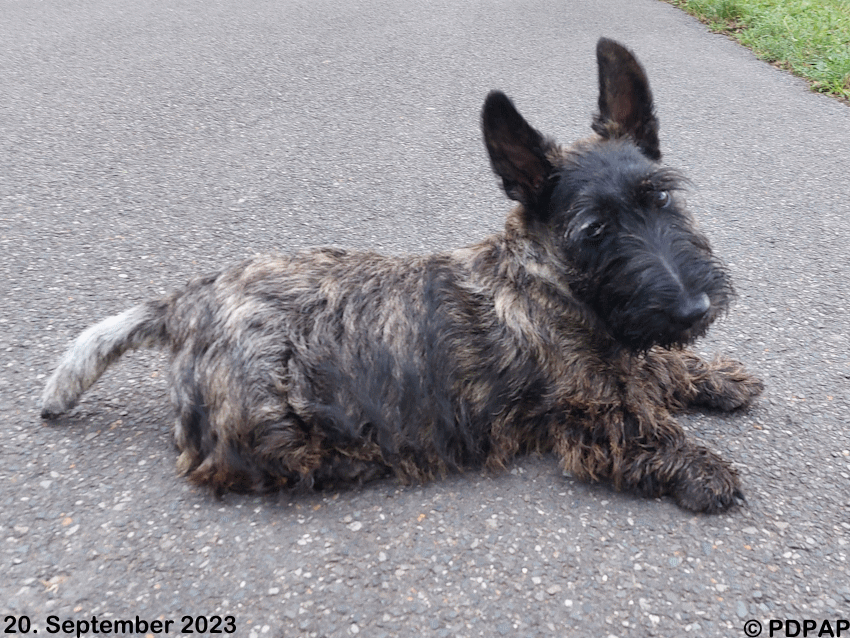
566 332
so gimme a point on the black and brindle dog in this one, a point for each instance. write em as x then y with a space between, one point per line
566 332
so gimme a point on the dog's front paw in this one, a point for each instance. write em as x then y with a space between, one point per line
726 385
706 483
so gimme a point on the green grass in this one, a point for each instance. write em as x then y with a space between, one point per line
811 38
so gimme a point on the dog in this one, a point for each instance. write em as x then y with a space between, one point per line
566 333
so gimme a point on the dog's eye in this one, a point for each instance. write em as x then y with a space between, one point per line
595 230
592 230
662 199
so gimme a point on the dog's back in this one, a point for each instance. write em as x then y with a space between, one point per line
282 367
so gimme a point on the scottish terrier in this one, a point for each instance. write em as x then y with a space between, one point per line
567 332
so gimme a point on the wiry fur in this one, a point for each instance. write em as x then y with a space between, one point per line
566 333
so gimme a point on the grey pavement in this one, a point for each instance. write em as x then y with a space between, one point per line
144 142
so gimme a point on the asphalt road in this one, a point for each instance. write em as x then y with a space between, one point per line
144 142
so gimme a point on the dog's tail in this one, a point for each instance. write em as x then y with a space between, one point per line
142 326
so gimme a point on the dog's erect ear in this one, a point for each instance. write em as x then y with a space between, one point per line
517 151
625 100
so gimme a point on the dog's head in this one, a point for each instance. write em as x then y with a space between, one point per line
606 213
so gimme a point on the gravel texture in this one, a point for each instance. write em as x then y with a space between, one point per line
145 142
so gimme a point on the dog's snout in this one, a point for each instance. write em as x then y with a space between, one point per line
690 309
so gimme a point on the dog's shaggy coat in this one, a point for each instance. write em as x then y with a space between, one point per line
566 332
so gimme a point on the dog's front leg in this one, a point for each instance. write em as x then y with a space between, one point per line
722 383
648 454
682 379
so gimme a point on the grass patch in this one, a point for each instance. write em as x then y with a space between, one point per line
811 38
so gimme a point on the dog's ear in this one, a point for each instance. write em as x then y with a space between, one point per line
517 151
625 100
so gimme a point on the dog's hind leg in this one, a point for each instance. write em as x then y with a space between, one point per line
265 458
339 470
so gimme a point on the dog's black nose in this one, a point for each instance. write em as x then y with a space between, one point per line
690 309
